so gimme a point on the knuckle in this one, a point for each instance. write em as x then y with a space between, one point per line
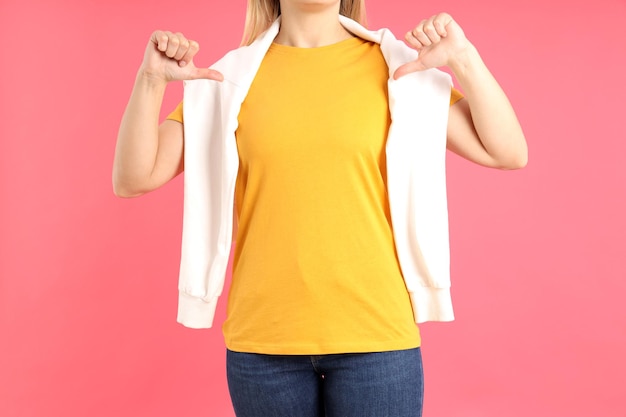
158 35
431 33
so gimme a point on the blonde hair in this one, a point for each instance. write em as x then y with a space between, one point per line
260 15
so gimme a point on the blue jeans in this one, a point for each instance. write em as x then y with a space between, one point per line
380 384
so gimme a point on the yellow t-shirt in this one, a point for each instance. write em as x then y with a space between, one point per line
315 269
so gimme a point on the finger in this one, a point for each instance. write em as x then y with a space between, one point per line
440 22
413 66
206 73
419 34
183 47
172 46
430 30
192 50
412 41
160 38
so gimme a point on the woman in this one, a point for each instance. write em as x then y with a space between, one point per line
329 142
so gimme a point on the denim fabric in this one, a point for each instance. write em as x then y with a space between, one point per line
380 384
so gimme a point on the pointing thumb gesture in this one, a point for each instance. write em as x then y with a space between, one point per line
439 41
169 57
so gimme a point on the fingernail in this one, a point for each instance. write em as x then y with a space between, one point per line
182 63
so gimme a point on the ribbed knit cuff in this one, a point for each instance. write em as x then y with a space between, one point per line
431 304
194 312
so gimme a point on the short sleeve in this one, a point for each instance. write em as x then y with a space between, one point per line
177 113
455 96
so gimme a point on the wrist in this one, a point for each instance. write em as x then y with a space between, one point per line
462 62
151 79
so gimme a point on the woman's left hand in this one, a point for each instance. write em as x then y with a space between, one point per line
439 40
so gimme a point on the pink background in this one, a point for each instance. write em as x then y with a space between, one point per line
88 281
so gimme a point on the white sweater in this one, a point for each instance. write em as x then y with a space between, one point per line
416 182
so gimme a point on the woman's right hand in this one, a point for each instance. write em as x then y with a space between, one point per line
149 154
169 57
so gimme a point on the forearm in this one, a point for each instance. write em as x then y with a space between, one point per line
138 136
492 115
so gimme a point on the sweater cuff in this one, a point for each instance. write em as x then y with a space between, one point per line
195 312
431 304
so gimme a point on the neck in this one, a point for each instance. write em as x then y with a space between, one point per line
310 25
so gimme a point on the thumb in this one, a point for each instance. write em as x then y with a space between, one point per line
205 73
409 67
